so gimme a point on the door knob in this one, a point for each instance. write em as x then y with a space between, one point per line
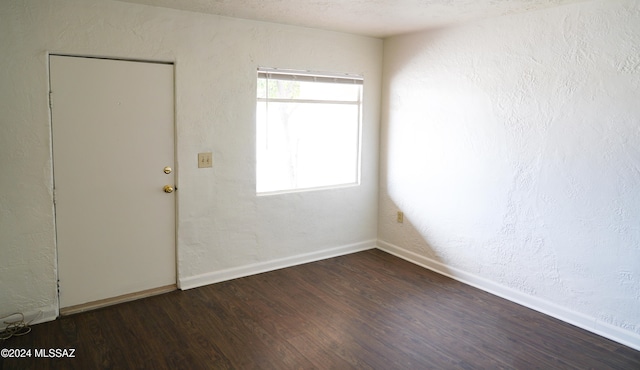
168 189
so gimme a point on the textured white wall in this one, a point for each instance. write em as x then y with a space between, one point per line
222 225
513 147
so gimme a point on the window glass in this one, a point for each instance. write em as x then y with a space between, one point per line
307 132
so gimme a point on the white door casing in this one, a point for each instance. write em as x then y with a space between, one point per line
113 135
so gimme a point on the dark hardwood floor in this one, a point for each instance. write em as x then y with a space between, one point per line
367 310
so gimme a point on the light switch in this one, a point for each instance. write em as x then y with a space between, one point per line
205 160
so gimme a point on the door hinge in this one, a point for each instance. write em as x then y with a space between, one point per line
54 197
50 99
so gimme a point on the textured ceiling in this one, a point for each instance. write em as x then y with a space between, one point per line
377 18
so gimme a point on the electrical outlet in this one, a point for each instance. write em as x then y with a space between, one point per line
205 160
400 217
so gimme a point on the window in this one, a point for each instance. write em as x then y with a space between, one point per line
307 130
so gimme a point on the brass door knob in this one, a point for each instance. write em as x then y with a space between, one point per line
168 189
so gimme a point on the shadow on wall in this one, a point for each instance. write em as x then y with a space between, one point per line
444 160
517 163
421 251
405 185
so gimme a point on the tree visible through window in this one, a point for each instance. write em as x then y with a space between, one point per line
307 130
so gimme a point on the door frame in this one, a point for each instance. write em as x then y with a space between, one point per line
135 295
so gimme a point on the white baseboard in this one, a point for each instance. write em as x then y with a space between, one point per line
580 320
257 268
33 317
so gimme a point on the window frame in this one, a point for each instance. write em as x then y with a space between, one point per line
315 77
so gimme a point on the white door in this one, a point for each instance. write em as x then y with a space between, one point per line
113 135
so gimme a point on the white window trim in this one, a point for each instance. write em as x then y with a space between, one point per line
310 76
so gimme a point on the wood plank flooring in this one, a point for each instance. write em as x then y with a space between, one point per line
367 310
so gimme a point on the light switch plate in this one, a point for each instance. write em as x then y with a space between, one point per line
205 160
